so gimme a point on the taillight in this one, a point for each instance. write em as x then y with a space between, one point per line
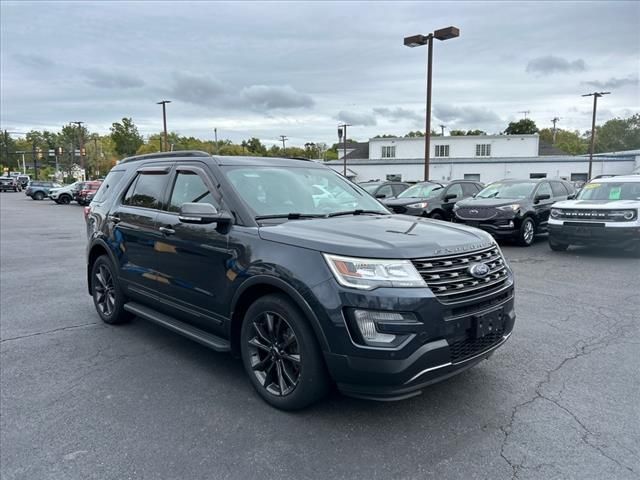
87 212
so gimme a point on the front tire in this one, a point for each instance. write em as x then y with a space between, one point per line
557 246
527 232
38 196
64 199
107 295
436 216
281 355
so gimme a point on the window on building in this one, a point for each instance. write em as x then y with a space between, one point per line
579 177
483 150
472 176
442 150
389 152
537 175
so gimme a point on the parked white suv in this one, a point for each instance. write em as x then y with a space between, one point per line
606 212
64 194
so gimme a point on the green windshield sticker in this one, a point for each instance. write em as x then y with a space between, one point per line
614 193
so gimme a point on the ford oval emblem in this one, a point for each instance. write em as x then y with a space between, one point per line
473 211
479 270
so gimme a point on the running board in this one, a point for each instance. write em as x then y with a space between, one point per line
205 338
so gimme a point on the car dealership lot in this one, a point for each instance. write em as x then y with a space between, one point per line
80 399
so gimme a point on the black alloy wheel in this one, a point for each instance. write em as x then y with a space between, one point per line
281 354
107 296
65 199
527 232
274 354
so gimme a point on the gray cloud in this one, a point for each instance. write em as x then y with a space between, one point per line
469 116
614 82
357 118
197 89
109 79
33 60
398 114
271 97
551 64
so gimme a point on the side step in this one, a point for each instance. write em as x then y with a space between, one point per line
205 338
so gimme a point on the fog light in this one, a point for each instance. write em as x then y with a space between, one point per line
382 328
366 321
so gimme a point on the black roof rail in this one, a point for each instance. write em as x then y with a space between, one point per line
176 154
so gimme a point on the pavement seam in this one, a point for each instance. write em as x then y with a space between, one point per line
47 332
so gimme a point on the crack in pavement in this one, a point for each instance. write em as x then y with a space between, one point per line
47 332
581 348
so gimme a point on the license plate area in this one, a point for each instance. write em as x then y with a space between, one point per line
487 323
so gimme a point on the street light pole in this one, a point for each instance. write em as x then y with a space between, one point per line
164 123
81 143
416 41
595 96
283 138
215 134
342 131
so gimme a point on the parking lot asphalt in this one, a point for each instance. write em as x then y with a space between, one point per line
84 400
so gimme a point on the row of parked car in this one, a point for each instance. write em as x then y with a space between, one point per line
520 209
81 192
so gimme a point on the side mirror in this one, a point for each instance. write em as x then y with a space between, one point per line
571 197
380 195
203 213
544 196
449 196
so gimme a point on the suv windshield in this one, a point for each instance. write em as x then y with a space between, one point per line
421 190
370 187
304 191
507 190
610 191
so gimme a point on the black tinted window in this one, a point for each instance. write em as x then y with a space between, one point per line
544 189
110 182
189 188
558 189
146 191
469 189
455 190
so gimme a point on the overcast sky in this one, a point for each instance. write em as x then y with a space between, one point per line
297 69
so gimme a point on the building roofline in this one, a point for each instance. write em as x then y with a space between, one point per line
479 160
439 137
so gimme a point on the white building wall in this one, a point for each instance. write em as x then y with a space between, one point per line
488 172
459 146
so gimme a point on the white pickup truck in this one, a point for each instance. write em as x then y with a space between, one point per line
606 212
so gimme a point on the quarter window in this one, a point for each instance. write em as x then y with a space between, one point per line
146 191
389 152
442 150
189 188
483 150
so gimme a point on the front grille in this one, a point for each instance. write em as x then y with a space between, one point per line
591 215
468 348
449 278
399 209
476 213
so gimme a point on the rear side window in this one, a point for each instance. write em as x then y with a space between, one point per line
146 191
110 182
558 189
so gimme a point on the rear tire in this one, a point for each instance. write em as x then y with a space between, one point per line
527 232
281 355
107 294
557 246
38 196
64 199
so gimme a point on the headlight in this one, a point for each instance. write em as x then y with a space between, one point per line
418 205
626 214
456 207
555 212
509 208
367 274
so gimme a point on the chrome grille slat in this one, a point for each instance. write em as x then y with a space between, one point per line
449 279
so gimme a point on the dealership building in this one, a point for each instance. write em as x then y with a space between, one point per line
485 158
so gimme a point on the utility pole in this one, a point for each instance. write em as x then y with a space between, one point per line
554 120
164 123
595 96
81 143
215 134
35 166
525 113
342 135
442 127
283 139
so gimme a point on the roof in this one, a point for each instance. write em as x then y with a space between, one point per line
479 160
546 149
448 137
619 178
360 150
224 160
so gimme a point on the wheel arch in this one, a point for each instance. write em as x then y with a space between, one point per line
98 249
262 285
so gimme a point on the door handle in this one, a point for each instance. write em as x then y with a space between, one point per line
167 230
113 218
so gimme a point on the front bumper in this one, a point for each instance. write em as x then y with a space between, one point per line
444 344
584 234
498 228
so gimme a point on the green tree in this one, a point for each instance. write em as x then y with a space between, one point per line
7 149
526 126
255 147
417 133
618 134
126 137
570 142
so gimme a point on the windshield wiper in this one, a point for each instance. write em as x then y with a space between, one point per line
289 216
356 212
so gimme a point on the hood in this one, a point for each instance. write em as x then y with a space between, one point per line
598 204
490 202
377 236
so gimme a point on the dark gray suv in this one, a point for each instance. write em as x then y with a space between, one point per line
310 290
